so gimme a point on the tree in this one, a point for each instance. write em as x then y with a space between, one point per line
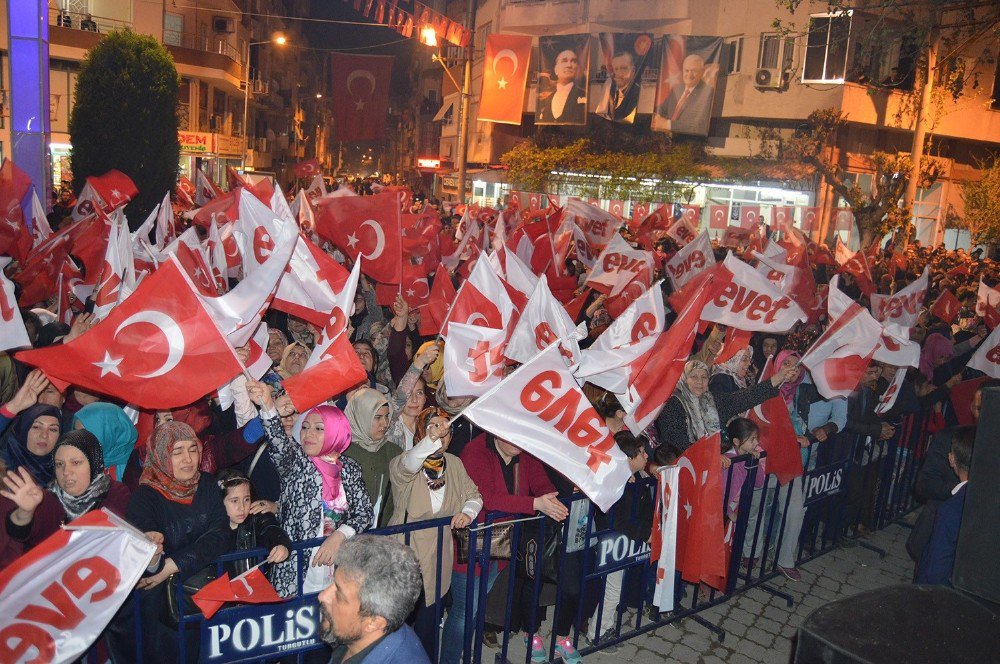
876 208
982 206
125 117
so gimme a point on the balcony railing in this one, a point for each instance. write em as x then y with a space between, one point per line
86 22
202 43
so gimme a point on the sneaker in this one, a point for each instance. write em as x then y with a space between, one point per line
537 649
566 651
790 573
608 635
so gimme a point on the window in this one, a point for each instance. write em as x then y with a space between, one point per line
733 51
776 52
826 48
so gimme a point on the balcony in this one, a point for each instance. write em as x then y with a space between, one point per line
201 56
75 30
202 43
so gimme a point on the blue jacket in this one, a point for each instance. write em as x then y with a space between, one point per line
400 647
938 557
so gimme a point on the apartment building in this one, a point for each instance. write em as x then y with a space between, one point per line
768 85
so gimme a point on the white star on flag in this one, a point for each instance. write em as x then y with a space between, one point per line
687 508
502 83
109 365
410 292
352 240
360 105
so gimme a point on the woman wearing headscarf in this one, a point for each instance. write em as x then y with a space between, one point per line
293 359
429 483
80 485
693 412
180 507
462 429
368 414
409 399
113 429
30 438
322 490
733 374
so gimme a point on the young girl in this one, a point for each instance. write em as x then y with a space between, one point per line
249 530
744 437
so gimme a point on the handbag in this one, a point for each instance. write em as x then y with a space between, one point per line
171 613
500 537
528 549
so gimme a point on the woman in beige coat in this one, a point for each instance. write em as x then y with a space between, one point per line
429 483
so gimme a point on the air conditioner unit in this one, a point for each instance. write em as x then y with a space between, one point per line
223 25
769 78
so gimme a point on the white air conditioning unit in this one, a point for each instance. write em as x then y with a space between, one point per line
768 78
223 25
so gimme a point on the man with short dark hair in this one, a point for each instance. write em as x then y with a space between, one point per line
938 557
362 612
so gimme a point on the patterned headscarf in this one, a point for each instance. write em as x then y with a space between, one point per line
702 416
336 439
16 453
282 367
90 446
788 388
159 470
731 367
434 466
114 430
360 413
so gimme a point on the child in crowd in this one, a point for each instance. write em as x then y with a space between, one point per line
744 437
248 527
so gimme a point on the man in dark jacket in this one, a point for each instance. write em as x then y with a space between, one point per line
363 611
938 557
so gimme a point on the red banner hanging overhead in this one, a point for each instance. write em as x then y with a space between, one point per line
504 77
361 88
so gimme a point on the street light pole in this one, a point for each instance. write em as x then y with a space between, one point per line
279 40
463 128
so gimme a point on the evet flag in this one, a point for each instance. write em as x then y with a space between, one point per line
986 297
987 358
903 307
689 261
618 257
542 409
59 597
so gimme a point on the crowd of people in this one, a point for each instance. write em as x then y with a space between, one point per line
200 481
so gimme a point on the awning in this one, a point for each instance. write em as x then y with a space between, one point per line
447 106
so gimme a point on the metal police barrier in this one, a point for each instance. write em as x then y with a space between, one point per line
563 573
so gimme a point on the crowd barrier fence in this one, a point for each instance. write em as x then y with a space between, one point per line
851 487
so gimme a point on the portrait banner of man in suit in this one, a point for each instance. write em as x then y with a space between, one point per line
563 64
624 56
686 89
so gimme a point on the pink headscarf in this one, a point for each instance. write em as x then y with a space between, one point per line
336 439
936 346
788 388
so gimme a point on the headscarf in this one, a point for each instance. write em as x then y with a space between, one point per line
336 439
275 333
788 388
360 413
282 369
16 453
436 367
100 483
702 416
731 367
936 347
114 430
158 472
434 465
443 402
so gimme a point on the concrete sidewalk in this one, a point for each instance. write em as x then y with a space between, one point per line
760 626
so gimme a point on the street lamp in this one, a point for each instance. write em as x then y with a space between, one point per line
278 39
428 36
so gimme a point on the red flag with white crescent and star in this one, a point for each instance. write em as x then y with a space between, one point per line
361 86
505 74
946 306
15 240
307 168
366 226
701 548
777 434
157 349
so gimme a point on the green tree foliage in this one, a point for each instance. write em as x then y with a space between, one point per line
876 208
125 117
982 206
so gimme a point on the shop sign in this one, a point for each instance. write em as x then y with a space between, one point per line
228 145
196 141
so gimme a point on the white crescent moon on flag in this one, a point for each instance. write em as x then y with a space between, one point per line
379 240
361 73
508 55
427 287
685 464
476 316
170 330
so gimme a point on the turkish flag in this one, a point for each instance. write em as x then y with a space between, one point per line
575 306
251 587
114 188
857 267
639 212
820 254
157 349
986 297
366 226
224 208
40 273
361 88
844 220
735 341
735 237
196 267
421 239
946 306
482 300
504 76
991 317
15 240
416 290
12 331
185 191
810 218
749 216
433 314
718 217
617 208
307 168
205 189
332 369
777 435
701 548
311 283
782 217
514 200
